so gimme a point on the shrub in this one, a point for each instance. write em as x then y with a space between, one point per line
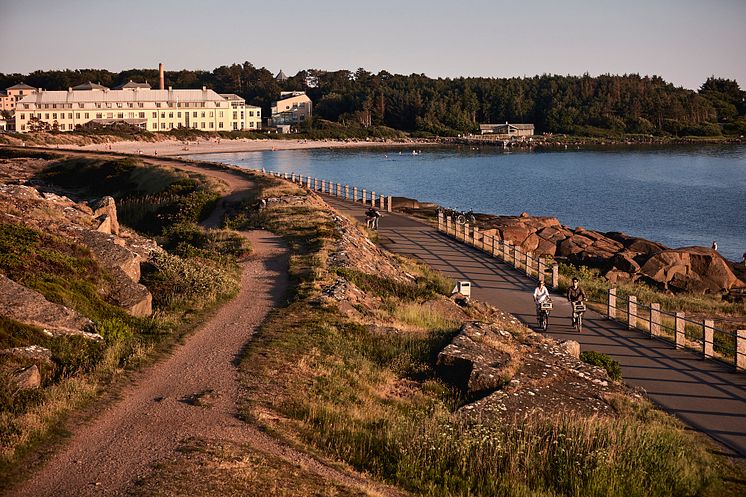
602 360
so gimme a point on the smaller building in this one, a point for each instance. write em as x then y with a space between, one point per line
508 130
11 95
293 108
130 85
3 124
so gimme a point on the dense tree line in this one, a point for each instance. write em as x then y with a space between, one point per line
582 105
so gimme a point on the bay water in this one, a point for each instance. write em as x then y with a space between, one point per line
679 196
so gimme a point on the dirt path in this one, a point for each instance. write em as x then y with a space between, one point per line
159 410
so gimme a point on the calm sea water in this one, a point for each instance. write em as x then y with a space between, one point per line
678 196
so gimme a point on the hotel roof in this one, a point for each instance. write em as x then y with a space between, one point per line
89 86
21 86
131 84
136 95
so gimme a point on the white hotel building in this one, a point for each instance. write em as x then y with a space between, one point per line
153 110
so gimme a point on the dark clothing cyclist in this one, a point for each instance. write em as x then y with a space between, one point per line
576 294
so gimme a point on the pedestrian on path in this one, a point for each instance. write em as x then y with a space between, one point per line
714 245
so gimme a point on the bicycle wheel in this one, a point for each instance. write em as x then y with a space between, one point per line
472 219
579 323
545 321
461 219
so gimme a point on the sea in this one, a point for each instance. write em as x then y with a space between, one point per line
679 196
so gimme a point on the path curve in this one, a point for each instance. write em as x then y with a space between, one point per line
155 414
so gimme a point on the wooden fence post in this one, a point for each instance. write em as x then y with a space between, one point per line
555 276
611 308
475 237
381 204
516 257
708 338
529 263
315 184
655 319
449 225
680 329
372 199
495 245
741 350
354 194
632 312
365 197
390 206
440 221
347 192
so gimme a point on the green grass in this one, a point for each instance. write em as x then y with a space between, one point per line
611 366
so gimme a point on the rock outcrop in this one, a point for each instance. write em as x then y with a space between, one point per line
472 362
693 269
30 307
620 257
507 377
96 227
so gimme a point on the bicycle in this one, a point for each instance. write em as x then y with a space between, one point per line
466 217
542 313
578 309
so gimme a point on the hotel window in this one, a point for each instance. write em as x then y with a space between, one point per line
235 125
109 115
220 114
171 125
251 124
69 126
77 115
163 115
120 115
108 105
54 106
163 125
23 117
171 115
131 115
80 106
25 106
155 114
251 113
142 115
99 115
194 125
119 105
220 124
194 114
23 127
157 104
98 106
217 104
70 115
202 125
85 116
130 105
141 105
54 115
212 114
212 124
178 114
203 114
235 114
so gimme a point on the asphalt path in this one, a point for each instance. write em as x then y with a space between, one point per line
707 395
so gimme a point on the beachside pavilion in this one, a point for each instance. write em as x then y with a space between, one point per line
507 129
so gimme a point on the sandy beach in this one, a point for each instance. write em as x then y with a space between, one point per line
177 148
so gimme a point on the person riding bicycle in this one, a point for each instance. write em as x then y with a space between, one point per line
371 218
575 295
541 293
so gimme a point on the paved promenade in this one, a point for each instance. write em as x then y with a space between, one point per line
707 395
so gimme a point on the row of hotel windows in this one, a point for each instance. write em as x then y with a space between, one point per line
120 105
154 126
131 115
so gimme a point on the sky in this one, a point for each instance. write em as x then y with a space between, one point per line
683 41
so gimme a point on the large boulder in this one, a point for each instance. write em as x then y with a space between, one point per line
30 307
472 363
105 211
27 378
691 269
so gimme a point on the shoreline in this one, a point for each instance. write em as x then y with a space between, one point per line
176 148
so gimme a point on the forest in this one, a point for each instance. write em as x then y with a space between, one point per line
605 105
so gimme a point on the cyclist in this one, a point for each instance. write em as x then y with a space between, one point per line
541 293
575 295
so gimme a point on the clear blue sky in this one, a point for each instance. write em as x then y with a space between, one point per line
683 41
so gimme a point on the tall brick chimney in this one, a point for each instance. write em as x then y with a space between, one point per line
160 72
